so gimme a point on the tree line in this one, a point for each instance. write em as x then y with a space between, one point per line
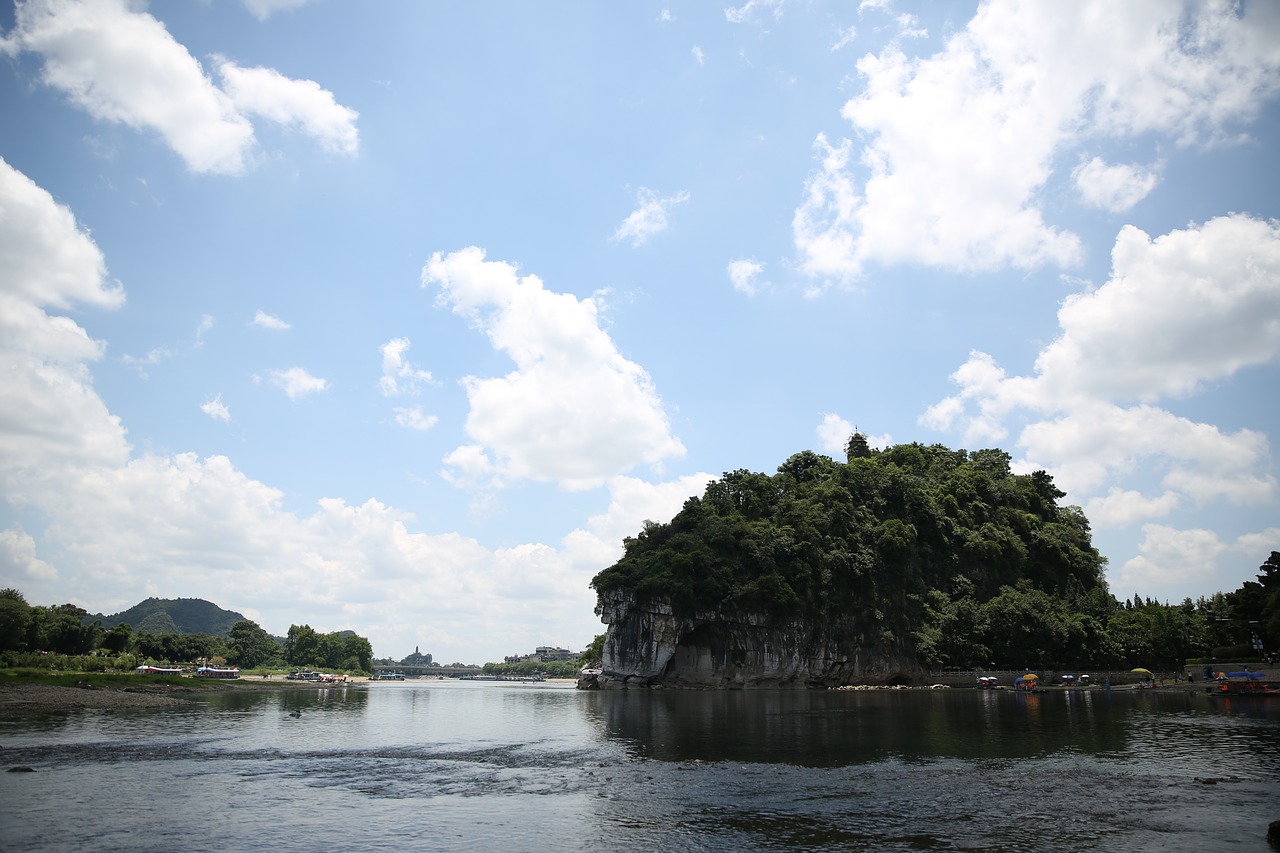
945 551
27 631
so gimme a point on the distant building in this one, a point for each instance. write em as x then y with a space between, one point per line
417 659
544 654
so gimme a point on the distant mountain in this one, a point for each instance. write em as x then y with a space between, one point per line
173 616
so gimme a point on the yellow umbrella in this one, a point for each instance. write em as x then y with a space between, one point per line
1030 676
1141 671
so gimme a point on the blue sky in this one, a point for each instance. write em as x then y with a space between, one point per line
398 317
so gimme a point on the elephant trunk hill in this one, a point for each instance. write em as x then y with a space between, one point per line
871 571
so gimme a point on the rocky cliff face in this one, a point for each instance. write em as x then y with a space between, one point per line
649 646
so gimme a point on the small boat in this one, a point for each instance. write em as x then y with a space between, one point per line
389 676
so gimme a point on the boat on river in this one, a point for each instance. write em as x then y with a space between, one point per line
1233 684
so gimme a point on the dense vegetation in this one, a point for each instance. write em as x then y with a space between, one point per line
34 635
173 616
947 549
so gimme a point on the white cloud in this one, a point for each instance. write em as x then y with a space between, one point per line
649 218
1168 556
263 320
573 410
1259 545
1122 507
263 9
399 376
1191 307
748 10
296 382
699 55
152 358
631 503
1112 188
743 274
413 418
833 435
846 37
46 258
825 225
304 104
122 65
206 323
50 416
960 146
18 559
216 409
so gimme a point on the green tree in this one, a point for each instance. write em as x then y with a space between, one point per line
249 645
117 640
15 620
357 653
302 646
593 655
62 629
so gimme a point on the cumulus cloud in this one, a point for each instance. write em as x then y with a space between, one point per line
122 65
1191 307
49 414
18 558
649 218
1168 555
743 273
216 409
1113 188
296 382
959 147
573 410
263 320
399 376
302 104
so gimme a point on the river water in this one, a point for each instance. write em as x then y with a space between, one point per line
450 765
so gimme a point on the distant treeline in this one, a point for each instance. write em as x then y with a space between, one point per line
28 630
971 565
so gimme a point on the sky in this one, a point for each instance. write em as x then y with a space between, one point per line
398 317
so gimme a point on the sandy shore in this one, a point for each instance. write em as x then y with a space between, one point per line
17 699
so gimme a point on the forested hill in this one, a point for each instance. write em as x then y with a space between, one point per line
906 538
173 616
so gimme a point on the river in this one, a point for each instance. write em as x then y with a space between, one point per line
451 765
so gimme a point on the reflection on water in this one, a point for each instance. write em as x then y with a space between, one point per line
836 728
452 765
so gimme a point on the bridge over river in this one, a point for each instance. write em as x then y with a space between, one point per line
412 671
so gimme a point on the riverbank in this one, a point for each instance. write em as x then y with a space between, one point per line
27 698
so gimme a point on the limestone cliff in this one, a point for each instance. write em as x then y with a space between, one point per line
649 646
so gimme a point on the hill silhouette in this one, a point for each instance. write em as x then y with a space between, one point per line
173 616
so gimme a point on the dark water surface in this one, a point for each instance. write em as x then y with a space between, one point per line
471 766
